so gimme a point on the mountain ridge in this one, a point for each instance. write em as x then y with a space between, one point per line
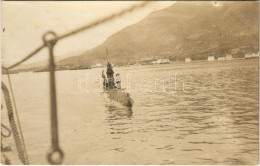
184 29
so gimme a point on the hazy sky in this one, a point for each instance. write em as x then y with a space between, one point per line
25 22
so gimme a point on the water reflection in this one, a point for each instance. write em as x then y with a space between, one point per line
119 120
115 113
215 122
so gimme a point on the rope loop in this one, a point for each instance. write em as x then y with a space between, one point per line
7 129
55 156
49 38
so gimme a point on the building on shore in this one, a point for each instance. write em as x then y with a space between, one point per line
255 55
248 56
98 65
229 57
188 59
161 61
252 55
211 58
221 58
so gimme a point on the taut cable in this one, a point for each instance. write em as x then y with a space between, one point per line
83 28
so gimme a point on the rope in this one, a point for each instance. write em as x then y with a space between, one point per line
18 142
106 19
88 26
24 59
7 129
17 117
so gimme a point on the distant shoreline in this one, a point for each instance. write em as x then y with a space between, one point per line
172 62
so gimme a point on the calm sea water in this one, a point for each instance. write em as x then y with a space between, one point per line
183 113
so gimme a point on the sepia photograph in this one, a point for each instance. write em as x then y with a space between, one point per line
129 82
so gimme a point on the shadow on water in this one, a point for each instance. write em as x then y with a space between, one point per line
117 113
118 119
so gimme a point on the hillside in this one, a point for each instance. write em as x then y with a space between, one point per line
185 29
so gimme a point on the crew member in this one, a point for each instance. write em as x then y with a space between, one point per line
110 76
105 83
118 81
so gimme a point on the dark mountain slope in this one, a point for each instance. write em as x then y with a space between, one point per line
185 29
